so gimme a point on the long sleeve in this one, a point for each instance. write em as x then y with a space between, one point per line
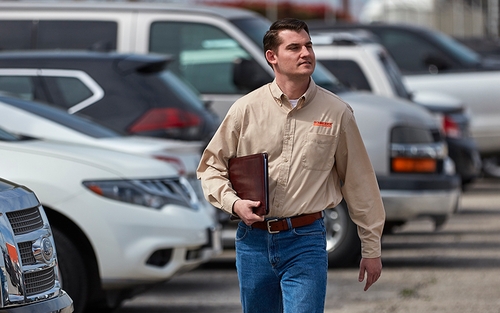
360 188
213 167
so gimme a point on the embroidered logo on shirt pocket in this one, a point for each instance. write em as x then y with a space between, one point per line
318 152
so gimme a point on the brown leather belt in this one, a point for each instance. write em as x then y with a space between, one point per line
276 225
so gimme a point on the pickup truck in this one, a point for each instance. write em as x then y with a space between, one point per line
366 66
432 61
30 278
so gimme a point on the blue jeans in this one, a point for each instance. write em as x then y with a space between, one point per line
283 272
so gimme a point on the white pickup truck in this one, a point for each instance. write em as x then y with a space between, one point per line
433 61
366 66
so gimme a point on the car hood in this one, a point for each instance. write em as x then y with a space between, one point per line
188 153
121 164
438 102
397 110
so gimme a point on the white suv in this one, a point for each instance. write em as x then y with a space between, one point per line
120 221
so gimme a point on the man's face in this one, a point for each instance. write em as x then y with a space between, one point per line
295 56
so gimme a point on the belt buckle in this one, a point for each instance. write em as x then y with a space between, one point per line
269 226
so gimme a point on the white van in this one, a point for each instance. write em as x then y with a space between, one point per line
219 52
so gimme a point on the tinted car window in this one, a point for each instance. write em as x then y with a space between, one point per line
34 34
394 75
203 54
18 86
408 50
69 90
349 73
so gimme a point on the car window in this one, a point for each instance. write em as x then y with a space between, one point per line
394 75
349 73
203 54
410 51
71 90
18 86
57 34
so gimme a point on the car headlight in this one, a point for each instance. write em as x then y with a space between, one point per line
153 193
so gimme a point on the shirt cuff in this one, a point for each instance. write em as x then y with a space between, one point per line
228 201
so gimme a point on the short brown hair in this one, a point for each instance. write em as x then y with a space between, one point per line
271 38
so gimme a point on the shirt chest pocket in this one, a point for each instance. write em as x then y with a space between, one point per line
318 152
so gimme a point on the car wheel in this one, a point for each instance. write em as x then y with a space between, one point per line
71 270
342 241
491 166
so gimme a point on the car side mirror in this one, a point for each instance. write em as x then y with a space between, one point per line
249 75
436 63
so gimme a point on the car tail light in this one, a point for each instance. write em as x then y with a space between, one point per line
165 118
417 150
451 128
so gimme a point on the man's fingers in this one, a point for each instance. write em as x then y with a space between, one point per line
370 280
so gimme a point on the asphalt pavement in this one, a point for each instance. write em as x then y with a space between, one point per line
452 270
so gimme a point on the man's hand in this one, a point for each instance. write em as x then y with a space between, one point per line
244 209
373 268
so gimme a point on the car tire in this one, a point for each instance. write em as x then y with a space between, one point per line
491 166
71 270
342 240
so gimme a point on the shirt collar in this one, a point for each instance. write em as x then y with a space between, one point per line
305 99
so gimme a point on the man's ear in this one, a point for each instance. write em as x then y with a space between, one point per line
271 57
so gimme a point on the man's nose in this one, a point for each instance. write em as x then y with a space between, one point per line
305 51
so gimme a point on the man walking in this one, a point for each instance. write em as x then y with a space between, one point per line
316 158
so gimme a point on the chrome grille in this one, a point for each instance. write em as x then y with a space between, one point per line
26 252
25 221
39 281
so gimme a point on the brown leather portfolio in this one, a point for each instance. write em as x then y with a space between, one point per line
249 178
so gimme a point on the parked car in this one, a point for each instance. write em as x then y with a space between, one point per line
433 61
42 121
132 94
219 52
121 222
366 65
29 273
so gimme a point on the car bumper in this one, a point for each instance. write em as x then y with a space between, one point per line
466 156
408 197
60 304
136 245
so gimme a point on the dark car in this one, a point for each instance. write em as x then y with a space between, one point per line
130 93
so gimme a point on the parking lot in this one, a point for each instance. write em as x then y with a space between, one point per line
455 269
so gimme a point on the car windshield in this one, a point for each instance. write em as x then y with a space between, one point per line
395 76
460 51
76 123
256 27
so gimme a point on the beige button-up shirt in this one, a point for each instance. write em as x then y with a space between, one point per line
316 158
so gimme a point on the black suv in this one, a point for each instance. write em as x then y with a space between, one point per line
130 93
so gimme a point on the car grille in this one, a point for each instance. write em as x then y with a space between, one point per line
39 281
26 252
25 221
